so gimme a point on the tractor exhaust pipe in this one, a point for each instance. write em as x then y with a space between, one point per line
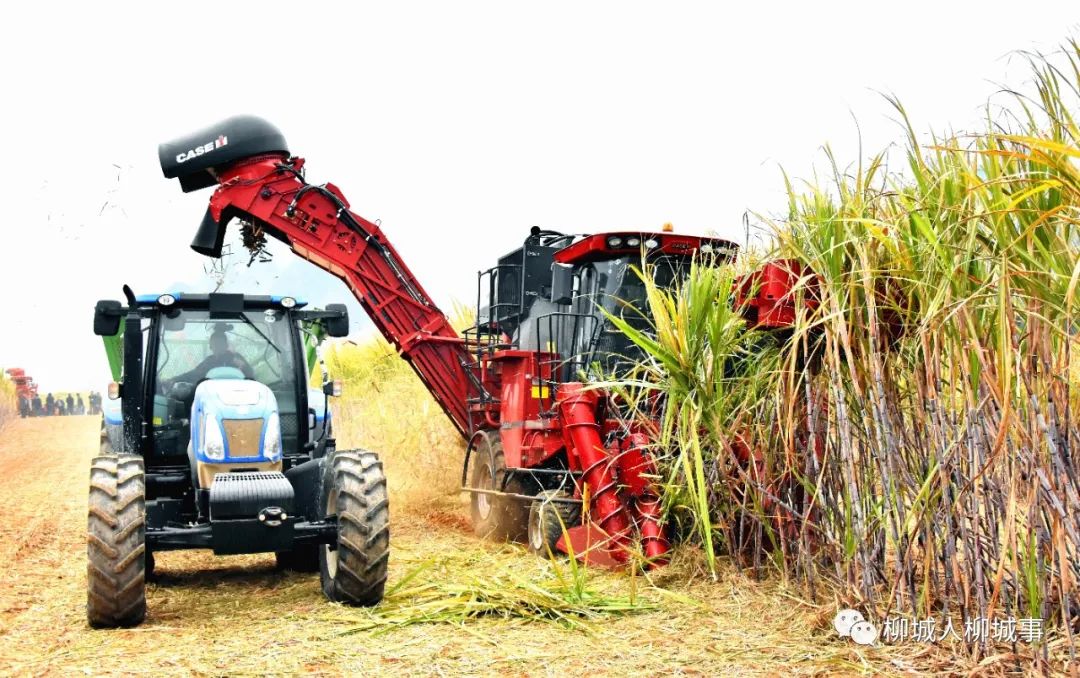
195 159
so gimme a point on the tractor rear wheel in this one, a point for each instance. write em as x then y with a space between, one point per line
354 488
548 519
116 542
495 517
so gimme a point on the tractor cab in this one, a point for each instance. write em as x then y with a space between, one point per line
241 369
554 295
224 381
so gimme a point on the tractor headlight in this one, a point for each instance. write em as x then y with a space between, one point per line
706 248
652 244
166 300
213 441
633 241
272 439
615 242
288 302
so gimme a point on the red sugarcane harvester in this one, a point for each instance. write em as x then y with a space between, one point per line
541 441
24 384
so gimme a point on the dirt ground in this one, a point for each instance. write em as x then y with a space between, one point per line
237 615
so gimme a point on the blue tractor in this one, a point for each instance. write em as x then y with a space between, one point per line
213 438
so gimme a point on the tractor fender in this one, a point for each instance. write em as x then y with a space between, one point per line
306 480
113 423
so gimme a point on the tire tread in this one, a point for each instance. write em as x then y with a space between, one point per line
363 546
116 542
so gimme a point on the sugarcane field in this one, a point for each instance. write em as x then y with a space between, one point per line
478 338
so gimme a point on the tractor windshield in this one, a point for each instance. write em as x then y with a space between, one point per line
257 343
616 286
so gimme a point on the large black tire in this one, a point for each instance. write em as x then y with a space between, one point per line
495 517
354 488
547 520
116 542
300 559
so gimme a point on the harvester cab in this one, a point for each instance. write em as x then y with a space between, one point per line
221 443
557 292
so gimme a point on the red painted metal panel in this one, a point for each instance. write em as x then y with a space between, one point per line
595 247
767 297
271 195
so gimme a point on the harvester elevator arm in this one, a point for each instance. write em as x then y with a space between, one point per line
270 195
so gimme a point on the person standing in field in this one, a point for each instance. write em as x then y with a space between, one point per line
50 405
70 404
80 406
35 407
24 406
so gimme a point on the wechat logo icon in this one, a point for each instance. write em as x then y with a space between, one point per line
851 624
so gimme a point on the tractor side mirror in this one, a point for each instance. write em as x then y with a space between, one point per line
562 284
338 326
107 316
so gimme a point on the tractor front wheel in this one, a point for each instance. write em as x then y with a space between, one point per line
116 542
353 570
495 517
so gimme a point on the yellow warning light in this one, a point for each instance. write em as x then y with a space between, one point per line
668 227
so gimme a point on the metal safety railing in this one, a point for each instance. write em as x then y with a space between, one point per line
567 342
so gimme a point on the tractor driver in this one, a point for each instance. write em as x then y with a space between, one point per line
220 356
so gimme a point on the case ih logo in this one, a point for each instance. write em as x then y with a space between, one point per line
205 148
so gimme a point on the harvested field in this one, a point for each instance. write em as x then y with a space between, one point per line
238 616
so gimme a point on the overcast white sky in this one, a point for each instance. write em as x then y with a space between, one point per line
459 125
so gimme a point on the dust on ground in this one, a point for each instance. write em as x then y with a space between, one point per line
238 615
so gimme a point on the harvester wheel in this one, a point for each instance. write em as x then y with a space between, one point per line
495 517
354 571
548 519
300 559
116 542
